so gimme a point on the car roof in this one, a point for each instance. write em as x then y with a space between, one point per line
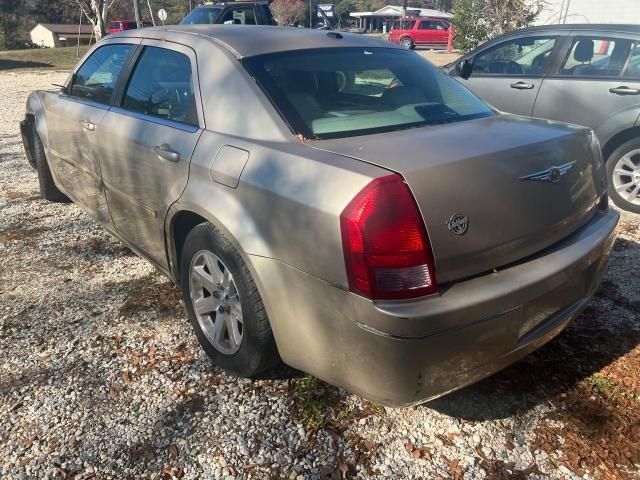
601 27
222 4
251 40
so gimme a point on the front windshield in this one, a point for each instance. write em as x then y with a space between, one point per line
341 92
202 15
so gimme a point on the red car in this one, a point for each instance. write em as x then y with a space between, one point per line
121 25
409 32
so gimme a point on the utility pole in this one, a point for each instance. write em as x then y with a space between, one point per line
404 7
310 15
136 11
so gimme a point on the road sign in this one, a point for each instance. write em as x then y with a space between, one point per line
162 15
328 9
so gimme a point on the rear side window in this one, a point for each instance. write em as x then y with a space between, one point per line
97 77
597 57
521 56
431 25
161 85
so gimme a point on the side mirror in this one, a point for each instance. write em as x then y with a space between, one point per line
465 68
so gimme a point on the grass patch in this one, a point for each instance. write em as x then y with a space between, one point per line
63 58
600 384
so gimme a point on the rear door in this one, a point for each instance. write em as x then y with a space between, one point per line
508 74
74 119
597 81
147 141
431 32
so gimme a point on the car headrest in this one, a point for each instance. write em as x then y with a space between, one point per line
583 51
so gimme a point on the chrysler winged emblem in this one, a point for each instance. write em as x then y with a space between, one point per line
551 174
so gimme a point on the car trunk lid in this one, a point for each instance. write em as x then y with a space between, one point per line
520 185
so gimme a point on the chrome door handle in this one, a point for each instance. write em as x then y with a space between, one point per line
88 125
622 90
522 86
164 151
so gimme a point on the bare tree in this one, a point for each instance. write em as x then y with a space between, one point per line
288 12
96 12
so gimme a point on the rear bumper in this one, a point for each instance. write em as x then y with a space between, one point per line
402 353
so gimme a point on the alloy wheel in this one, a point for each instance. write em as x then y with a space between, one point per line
406 43
216 302
626 177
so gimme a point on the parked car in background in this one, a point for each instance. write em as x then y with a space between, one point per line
412 31
227 13
583 74
122 25
344 206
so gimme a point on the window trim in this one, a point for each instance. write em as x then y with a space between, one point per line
574 38
68 93
126 77
558 37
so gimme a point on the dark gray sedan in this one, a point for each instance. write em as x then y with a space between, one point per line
330 200
583 74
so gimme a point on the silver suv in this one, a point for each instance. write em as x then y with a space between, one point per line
583 74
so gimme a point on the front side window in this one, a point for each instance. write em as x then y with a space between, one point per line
161 85
97 77
522 56
342 92
202 15
633 65
239 16
597 57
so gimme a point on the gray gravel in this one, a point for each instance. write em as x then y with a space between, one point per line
101 377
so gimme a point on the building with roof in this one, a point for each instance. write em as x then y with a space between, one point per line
52 35
376 21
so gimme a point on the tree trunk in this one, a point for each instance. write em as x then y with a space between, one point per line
136 11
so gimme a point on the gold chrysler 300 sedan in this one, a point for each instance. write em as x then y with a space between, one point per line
330 200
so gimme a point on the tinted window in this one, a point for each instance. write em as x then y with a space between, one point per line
201 15
97 77
239 16
403 24
431 25
597 57
161 85
633 65
342 92
521 56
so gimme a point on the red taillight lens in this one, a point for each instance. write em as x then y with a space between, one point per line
385 244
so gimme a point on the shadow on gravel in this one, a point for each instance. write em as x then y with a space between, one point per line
6 64
601 335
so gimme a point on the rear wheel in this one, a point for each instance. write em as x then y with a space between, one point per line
623 175
224 305
407 43
48 189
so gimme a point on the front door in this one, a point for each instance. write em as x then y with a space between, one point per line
508 75
147 144
598 81
73 121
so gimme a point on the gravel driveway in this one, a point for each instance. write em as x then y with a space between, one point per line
101 377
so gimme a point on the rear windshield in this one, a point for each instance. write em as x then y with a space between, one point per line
202 15
342 92
403 24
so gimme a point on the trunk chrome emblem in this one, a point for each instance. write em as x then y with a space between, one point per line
551 174
458 223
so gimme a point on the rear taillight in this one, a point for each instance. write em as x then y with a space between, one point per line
385 244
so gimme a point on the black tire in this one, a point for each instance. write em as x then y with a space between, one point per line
48 189
257 351
612 162
407 43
